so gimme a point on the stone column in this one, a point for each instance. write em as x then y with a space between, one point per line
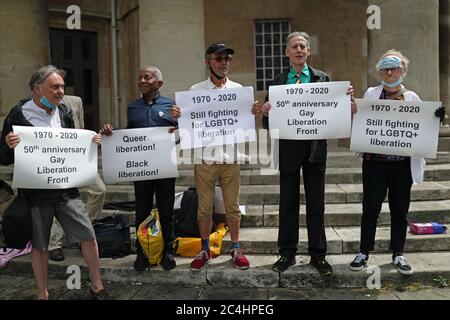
171 36
24 46
444 52
411 26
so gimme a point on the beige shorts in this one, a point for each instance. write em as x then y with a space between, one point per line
205 181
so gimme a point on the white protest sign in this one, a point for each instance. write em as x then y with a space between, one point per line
139 154
310 111
54 158
215 117
404 128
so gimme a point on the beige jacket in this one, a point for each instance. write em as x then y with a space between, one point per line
75 103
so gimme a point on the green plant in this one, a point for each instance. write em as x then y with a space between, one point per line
441 282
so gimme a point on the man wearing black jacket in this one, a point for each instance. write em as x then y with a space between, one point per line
46 109
308 155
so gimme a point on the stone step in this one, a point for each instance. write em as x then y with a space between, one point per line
347 214
337 159
269 194
433 172
339 240
426 265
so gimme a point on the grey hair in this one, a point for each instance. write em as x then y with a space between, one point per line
43 73
297 34
155 71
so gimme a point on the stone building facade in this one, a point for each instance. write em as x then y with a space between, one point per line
117 36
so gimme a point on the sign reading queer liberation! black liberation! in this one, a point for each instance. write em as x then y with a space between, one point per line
54 158
139 154
215 117
310 111
404 128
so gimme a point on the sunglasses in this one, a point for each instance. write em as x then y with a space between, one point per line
220 59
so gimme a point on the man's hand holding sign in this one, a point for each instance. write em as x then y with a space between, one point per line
51 158
215 117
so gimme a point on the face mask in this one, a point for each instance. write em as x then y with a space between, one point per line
392 84
45 101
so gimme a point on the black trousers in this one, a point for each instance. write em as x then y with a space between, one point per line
314 182
378 178
165 197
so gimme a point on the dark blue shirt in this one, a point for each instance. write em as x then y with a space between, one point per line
155 114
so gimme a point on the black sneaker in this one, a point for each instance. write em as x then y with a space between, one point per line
141 262
322 266
402 266
168 261
359 262
56 255
283 263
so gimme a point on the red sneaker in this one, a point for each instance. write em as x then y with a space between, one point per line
201 261
239 260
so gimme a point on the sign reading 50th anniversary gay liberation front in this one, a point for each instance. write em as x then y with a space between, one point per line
310 111
139 154
404 128
215 117
51 158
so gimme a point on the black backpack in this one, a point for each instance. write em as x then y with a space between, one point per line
185 218
113 236
15 218
6 198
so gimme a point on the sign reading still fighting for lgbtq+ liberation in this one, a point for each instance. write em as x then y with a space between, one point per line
139 154
404 128
54 158
215 117
310 111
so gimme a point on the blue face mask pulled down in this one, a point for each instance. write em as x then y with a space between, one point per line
393 84
47 103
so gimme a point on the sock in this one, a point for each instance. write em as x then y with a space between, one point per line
395 254
205 245
235 245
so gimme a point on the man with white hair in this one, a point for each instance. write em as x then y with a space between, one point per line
152 110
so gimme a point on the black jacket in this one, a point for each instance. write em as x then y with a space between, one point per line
318 152
16 118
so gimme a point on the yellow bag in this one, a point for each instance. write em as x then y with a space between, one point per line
150 237
190 247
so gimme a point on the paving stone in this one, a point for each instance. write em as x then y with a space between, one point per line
428 294
217 293
260 275
167 293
